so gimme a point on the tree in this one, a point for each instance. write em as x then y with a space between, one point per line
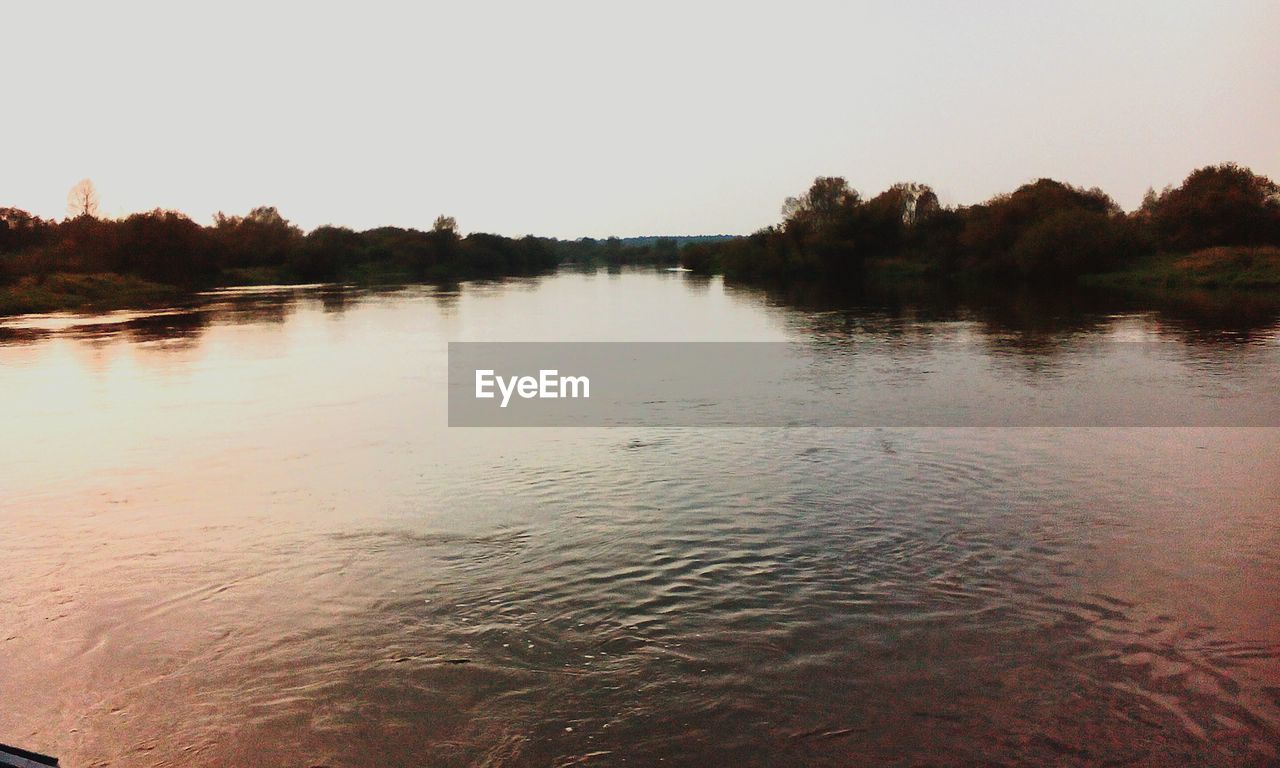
19 229
324 253
1216 205
819 229
1071 242
666 250
261 238
885 222
992 228
826 202
446 224
16 218
82 200
163 245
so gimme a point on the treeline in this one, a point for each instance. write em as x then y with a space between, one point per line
1043 231
617 252
168 247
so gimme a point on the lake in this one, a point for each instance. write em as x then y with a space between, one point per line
241 533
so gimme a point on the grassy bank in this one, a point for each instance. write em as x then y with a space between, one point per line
95 292
103 291
1212 268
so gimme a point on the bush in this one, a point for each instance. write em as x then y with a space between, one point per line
1216 205
1070 243
325 252
164 246
701 258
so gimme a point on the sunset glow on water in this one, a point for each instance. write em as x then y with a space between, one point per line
246 535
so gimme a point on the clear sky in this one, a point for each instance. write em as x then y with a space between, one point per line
601 118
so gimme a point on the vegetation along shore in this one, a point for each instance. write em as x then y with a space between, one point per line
1219 229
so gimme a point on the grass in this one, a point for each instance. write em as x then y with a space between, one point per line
1242 268
100 291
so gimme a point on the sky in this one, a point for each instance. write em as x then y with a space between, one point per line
597 118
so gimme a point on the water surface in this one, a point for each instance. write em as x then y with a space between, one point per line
241 533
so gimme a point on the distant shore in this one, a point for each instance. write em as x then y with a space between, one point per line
1220 229
1221 270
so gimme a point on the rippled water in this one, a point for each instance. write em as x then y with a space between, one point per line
241 533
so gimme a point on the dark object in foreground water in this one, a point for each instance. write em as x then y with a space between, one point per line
12 757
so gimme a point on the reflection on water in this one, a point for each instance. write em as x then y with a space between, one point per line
1036 318
240 533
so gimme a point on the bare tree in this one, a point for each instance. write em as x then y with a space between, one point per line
82 200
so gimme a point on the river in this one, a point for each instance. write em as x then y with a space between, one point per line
240 532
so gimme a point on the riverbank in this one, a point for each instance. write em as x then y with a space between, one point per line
1224 270
105 291
91 292
1236 268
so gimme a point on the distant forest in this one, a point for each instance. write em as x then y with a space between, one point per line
1223 216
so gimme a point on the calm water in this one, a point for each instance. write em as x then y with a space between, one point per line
241 534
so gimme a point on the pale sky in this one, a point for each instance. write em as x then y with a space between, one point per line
599 118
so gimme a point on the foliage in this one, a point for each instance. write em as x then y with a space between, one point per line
1045 230
1216 205
164 246
261 238
1071 242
